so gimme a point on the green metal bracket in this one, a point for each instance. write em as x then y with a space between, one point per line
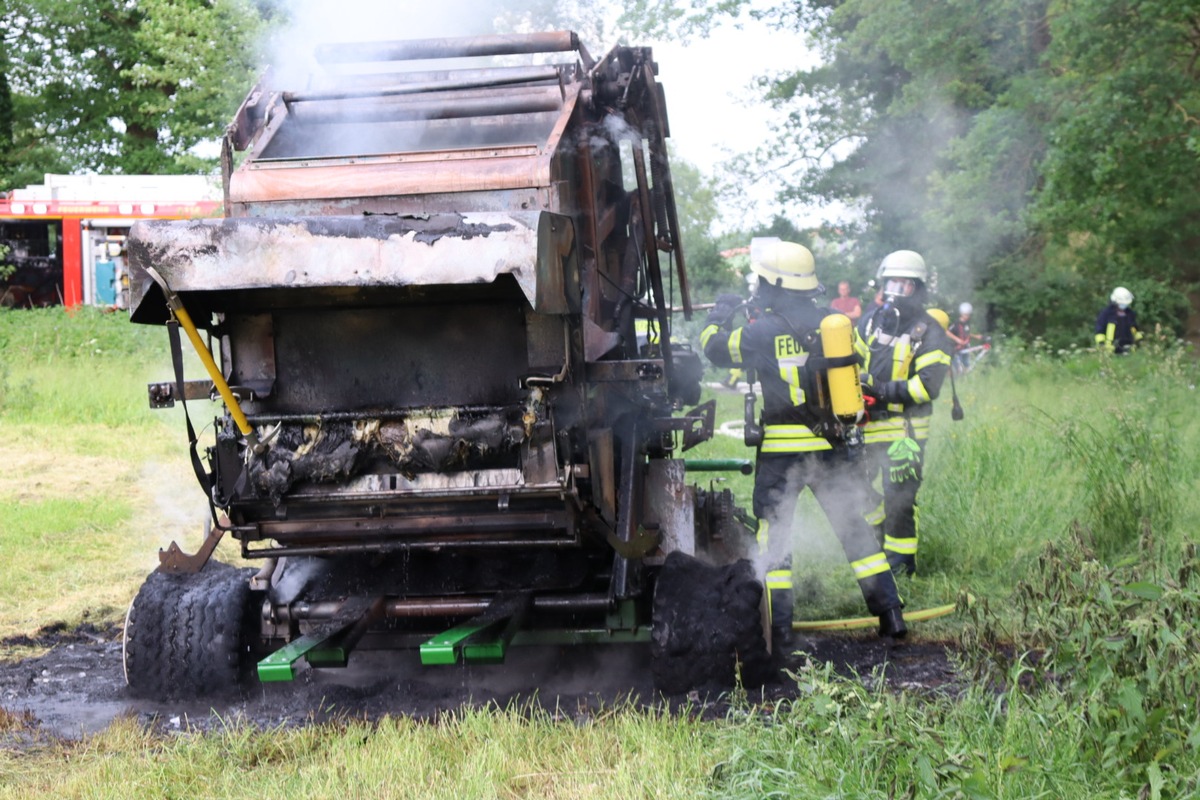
327 645
281 665
742 465
482 640
624 617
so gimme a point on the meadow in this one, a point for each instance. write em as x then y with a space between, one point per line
1065 502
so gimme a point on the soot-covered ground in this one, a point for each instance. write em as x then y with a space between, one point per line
78 686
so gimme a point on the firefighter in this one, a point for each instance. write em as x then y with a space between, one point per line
799 448
1116 327
906 360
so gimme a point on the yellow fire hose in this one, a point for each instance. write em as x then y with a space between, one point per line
210 366
870 622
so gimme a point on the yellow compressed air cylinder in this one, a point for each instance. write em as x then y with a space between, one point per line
845 391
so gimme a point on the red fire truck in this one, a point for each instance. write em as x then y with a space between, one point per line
63 242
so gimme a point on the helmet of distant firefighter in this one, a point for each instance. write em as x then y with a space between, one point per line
784 265
1121 297
903 275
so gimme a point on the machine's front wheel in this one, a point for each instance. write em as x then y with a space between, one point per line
185 634
708 626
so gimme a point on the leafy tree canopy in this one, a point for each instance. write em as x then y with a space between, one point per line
121 87
1017 144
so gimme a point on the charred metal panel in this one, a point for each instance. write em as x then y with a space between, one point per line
309 138
670 505
397 205
251 253
557 266
252 354
394 358
547 343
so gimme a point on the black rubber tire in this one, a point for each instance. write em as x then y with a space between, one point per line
707 628
185 634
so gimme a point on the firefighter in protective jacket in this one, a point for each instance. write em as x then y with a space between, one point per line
800 446
1116 326
906 360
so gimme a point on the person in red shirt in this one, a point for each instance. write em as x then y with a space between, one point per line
845 303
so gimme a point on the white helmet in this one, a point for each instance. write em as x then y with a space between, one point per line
903 264
1121 296
785 264
965 308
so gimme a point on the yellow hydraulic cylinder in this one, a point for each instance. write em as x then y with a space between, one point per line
214 372
210 366
845 391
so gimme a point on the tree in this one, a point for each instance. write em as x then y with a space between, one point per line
116 86
1017 143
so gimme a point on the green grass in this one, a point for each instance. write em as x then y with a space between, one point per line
1066 501
478 753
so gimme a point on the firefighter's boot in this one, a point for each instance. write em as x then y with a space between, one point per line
891 624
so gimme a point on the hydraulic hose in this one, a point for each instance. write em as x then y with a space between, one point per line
869 622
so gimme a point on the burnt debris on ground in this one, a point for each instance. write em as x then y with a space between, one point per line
77 686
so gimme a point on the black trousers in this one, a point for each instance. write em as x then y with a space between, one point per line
902 516
841 489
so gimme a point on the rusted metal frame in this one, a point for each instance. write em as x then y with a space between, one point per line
165 393
273 118
456 47
653 266
481 493
438 96
417 608
395 111
375 81
408 157
587 204
395 546
249 117
513 409
252 186
487 522
173 561
660 168
696 425
629 506
532 76
570 108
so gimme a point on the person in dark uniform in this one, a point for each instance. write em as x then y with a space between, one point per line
1116 327
907 357
799 448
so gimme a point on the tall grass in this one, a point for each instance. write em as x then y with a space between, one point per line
91 482
1065 501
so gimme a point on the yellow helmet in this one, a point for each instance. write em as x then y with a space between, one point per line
941 316
785 264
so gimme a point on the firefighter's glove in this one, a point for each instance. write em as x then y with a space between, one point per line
904 456
724 307
893 392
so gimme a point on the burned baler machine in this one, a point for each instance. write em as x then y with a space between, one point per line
424 303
